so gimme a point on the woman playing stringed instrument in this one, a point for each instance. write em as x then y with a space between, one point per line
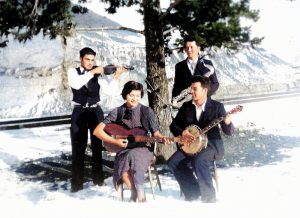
185 163
133 158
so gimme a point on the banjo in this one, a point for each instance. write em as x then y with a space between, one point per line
200 137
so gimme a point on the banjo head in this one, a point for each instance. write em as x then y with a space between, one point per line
199 143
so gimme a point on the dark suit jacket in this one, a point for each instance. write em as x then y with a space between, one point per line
183 76
213 109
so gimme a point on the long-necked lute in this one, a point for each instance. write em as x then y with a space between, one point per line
133 135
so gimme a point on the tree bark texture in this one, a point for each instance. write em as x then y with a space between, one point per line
64 64
156 76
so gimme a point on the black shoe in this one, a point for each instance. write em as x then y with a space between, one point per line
98 182
209 200
191 198
76 188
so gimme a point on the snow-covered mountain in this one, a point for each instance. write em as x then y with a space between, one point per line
32 75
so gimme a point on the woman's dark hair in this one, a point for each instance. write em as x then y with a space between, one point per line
132 85
205 82
86 51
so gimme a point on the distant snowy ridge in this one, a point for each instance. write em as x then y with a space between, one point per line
31 73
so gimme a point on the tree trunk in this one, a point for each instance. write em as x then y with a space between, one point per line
156 76
64 63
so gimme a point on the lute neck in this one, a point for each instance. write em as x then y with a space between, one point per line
150 139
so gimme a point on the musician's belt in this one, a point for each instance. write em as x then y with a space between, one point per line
87 105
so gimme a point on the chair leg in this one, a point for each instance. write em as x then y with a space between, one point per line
157 177
215 175
122 191
151 181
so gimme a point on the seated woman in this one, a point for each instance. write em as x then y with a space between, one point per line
133 159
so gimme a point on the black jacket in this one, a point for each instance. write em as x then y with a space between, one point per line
183 76
186 116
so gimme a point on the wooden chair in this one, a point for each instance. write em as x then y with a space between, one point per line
215 175
152 171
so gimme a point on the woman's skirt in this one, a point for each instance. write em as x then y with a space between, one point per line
136 161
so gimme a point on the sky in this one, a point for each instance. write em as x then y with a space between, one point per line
259 178
278 23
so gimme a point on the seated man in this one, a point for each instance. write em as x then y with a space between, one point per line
133 158
200 111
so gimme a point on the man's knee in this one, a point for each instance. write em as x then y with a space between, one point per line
172 164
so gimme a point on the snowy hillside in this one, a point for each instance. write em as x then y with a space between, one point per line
31 73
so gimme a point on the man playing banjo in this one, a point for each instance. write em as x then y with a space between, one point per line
200 112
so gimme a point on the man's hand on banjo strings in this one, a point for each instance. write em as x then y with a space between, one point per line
188 138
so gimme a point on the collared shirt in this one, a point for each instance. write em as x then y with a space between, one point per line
199 110
108 85
192 65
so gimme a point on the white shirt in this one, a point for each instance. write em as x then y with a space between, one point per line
199 110
192 65
108 85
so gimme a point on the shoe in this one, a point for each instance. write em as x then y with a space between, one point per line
191 198
98 178
98 182
133 196
143 200
76 188
209 200
141 197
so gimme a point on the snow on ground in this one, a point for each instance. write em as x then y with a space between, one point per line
258 177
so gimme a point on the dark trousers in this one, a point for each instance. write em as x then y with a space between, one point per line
82 121
193 174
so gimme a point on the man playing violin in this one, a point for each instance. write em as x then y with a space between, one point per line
85 83
200 111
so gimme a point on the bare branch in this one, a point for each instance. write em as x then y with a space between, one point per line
34 10
109 28
172 5
169 30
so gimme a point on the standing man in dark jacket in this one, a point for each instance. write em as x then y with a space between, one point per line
201 111
87 114
194 64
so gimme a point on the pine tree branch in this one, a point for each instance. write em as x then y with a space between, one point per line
172 5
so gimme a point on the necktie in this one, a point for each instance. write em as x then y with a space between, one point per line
127 114
83 72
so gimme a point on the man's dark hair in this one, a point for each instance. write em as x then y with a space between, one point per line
205 81
190 39
86 51
132 85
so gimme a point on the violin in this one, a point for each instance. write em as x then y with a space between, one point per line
111 69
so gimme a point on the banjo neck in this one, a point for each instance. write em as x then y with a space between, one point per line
212 124
220 119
